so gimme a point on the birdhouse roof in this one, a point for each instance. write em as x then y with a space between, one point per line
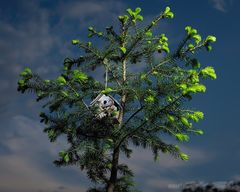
100 96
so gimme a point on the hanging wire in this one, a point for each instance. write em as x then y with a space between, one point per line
106 78
105 62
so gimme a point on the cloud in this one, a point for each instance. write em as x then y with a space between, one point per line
29 158
221 5
40 37
26 42
142 157
82 9
160 184
90 11
236 177
168 171
28 177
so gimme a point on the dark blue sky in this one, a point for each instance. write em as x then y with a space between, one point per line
38 34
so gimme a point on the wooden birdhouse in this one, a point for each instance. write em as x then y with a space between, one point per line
107 106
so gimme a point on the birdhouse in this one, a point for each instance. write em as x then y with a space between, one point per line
106 106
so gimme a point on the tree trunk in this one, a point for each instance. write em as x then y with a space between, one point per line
114 170
115 157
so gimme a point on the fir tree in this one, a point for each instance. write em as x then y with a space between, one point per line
151 101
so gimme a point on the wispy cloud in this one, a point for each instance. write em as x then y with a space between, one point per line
40 37
88 12
160 184
167 171
34 40
221 5
29 158
27 42
28 177
144 157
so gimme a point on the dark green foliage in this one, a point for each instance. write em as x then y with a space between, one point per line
152 99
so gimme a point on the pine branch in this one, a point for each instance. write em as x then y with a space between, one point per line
146 121
179 54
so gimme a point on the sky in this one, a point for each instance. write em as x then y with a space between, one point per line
38 34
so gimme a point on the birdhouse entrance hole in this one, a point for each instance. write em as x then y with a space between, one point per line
106 107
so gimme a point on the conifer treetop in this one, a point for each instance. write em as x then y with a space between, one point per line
152 99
